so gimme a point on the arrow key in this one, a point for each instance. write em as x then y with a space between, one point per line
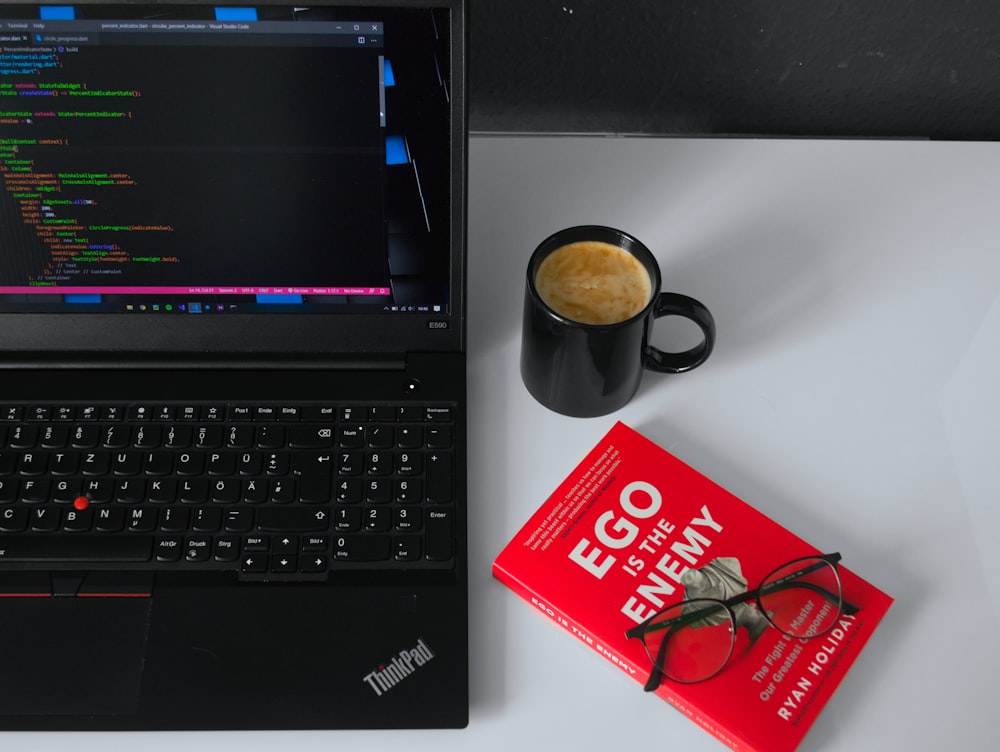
284 563
254 563
314 563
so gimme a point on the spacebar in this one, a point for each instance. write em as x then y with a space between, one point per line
89 548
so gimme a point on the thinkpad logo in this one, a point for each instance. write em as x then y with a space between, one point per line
402 666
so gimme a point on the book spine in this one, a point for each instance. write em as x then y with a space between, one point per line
543 605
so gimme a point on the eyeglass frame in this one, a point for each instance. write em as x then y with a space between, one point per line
657 674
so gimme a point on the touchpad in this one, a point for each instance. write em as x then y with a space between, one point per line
72 655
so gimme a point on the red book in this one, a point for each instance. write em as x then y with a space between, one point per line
751 627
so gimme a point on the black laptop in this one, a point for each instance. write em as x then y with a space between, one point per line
232 368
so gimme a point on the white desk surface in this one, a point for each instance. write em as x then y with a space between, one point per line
854 395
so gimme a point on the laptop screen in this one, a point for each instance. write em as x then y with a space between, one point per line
171 161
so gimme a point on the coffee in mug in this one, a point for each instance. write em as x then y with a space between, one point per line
593 282
591 296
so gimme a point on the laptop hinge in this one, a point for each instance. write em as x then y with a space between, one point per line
206 361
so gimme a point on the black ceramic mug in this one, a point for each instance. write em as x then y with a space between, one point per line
585 357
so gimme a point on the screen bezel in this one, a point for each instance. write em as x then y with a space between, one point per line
302 334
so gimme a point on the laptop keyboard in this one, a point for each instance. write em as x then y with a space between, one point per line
270 491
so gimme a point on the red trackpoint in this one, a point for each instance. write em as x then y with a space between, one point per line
81 502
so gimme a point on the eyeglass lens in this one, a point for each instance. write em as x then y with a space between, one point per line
691 641
802 598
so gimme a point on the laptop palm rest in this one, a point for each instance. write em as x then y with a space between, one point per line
74 656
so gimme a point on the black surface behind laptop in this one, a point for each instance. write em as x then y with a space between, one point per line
226 205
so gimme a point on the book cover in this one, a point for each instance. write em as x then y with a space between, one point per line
752 627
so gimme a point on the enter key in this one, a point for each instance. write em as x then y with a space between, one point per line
439 534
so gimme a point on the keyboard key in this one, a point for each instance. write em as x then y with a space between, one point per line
318 413
116 436
194 491
99 491
85 437
54 437
407 548
240 437
189 463
95 463
206 520
130 491
109 520
285 544
226 490
284 563
410 437
211 437
254 563
13 521
438 537
35 491
147 437
270 437
227 548
256 543
168 548
314 490
178 437
63 463
347 520
439 487
141 520
312 564
78 521
439 437
314 543
175 519
310 437
45 519
439 415
163 491
66 490
75 548
240 413
292 519
23 437
381 437
198 548
34 463
362 548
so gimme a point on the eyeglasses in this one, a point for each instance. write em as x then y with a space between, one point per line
693 640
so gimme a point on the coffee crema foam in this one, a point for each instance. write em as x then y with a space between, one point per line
593 282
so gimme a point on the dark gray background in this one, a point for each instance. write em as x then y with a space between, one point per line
851 68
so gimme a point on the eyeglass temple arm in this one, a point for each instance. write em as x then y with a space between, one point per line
656 675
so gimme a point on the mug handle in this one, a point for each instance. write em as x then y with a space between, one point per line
675 304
